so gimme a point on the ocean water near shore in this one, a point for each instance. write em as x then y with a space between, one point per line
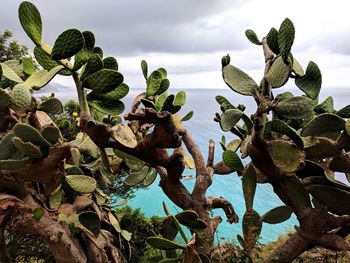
203 128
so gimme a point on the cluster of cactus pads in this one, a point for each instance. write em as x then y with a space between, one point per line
303 136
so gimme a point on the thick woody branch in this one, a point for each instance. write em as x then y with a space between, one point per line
337 221
221 168
226 206
210 161
333 241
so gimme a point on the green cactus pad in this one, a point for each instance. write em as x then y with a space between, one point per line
249 181
294 108
238 80
103 81
12 164
160 102
296 189
16 66
230 118
322 180
150 177
118 93
52 106
188 116
131 161
110 63
297 68
81 183
252 37
197 224
5 98
234 145
89 40
144 68
28 65
124 135
74 170
29 134
344 112
114 222
311 168
277 215
56 198
69 43
148 104
272 40
286 35
9 73
153 83
98 51
30 19
51 134
163 244
285 155
75 154
136 177
251 228
91 221
223 102
42 77
21 97
169 106
168 228
47 62
311 82
27 148
327 106
164 85
109 107
336 200
283 128
323 123
279 72
180 99
186 216
8 149
232 161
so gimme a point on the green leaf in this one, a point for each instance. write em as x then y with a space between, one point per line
323 123
311 82
279 72
294 108
144 68
230 118
238 80
81 183
252 37
103 81
10 74
91 221
283 128
232 161
163 244
69 43
249 181
180 99
30 19
272 40
38 213
285 155
277 215
188 116
286 35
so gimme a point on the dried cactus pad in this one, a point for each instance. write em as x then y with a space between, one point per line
81 183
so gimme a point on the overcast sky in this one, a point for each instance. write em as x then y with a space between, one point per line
189 37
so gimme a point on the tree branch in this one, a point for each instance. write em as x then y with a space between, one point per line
219 202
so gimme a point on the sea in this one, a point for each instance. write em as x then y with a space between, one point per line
203 128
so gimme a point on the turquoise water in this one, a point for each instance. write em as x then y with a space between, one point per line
203 128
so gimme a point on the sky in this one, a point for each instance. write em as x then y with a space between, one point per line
189 37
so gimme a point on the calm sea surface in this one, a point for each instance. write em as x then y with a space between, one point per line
203 128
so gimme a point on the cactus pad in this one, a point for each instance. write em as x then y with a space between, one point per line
21 97
132 162
51 134
29 134
169 106
150 177
69 43
297 68
252 37
28 65
27 148
144 68
277 215
249 181
180 99
114 222
163 244
323 123
188 116
52 106
311 82
279 72
286 35
272 40
12 164
81 183
136 177
153 82
230 118
110 63
186 216
103 81
56 198
232 161
283 128
327 106
344 112
47 62
5 98
42 77
98 51
107 106
30 19
160 102
9 73
238 80
91 221
294 108
251 228
124 135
